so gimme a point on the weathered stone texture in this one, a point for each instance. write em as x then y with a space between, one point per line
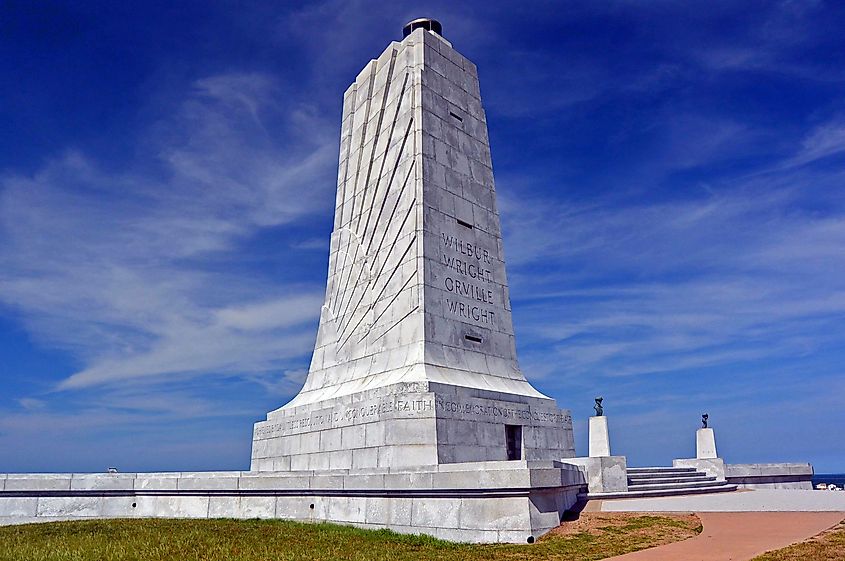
605 474
435 501
415 360
705 444
713 467
770 476
599 437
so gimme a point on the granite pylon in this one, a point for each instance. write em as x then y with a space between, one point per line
415 359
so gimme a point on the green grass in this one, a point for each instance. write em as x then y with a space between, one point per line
593 537
827 546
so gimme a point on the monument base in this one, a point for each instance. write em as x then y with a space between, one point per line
606 474
755 476
487 502
713 467
770 476
412 424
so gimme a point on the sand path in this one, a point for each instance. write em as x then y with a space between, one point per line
737 536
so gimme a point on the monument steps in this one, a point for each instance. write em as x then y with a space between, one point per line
693 477
666 482
669 479
708 482
659 470
663 475
718 488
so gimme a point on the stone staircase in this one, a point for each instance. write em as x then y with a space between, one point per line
666 482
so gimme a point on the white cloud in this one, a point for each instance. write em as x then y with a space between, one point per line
746 272
32 404
136 271
282 312
826 140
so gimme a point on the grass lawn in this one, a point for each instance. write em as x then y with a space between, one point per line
593 536
827 546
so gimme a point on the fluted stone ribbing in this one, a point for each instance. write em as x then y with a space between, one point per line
415 360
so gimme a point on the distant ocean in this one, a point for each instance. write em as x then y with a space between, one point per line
837 478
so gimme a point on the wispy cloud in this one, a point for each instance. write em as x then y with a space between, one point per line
136 272
745 272
826 140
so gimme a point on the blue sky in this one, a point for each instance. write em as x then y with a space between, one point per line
670 178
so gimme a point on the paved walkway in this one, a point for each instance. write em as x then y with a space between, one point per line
738 501
739 536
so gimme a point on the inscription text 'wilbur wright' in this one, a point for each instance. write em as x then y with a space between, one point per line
472 262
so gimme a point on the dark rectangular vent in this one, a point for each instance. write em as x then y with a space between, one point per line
458 117
464 224
472 338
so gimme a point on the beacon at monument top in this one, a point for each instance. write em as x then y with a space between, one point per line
428 24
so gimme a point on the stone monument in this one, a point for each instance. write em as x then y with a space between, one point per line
415 415
415 360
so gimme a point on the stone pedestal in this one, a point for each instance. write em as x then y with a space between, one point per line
705 444
607 474
713 467
770 476
510 501
599 437
411 424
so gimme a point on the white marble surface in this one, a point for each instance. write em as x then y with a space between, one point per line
416 263
599 437
606 474
427 499
705 444
771 475
713 467
404 426
417 308
737 501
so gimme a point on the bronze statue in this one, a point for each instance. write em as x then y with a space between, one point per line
599 409
704 420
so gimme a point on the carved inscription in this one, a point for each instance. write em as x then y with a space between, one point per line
411 405
470 409
472 262
345 416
